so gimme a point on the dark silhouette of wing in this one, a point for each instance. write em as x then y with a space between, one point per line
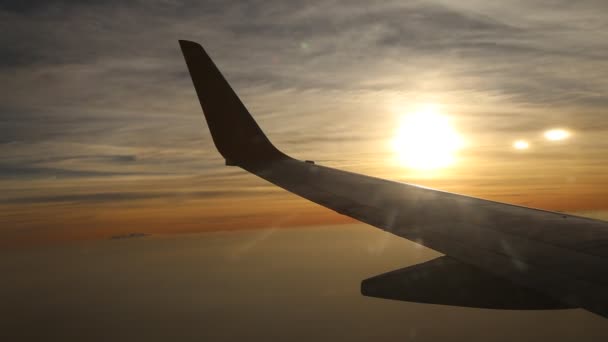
561 258
447 281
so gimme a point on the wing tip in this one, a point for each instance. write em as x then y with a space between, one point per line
188 43
235 133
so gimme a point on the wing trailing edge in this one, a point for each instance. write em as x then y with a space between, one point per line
447 281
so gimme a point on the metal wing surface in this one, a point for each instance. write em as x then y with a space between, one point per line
559 259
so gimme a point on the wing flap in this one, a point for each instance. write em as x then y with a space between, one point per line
447 281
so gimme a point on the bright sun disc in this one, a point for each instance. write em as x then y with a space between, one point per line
426 140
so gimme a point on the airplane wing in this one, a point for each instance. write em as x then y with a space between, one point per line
513 257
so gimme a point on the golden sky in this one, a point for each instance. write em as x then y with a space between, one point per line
101 132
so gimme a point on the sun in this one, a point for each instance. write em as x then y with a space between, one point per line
426 140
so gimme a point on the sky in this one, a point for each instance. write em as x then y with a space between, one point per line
101 132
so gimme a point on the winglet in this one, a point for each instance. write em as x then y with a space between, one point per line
235 133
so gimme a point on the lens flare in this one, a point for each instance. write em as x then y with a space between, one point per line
557 134
521 145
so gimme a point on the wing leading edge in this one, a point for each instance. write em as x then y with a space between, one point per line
562 258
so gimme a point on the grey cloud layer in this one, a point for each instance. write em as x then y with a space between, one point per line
326 45
106 79
109 197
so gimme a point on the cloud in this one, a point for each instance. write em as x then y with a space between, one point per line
93 89
8 171
110 197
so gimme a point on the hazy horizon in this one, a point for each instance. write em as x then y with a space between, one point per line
270 284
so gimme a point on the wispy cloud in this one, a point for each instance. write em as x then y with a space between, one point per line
111 197
99 90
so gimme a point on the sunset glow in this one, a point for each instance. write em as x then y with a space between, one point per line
102 133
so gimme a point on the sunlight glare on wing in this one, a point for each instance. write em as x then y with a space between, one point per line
426 140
